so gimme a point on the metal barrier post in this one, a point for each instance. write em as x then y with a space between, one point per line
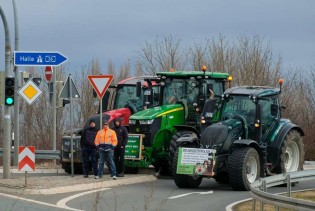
264 188
289 185
254 204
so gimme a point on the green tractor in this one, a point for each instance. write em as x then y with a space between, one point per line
250 141
181 99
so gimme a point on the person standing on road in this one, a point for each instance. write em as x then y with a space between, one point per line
105 141
89 149
119 152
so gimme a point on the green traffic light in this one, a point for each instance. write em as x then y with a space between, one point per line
9 101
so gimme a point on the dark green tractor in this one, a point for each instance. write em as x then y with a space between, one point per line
252 140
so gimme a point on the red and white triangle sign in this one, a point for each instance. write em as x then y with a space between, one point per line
26 158
100 83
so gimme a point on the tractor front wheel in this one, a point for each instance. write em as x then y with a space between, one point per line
244 168
174 145
182 180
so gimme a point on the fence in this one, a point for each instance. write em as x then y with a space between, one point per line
259 191
40 154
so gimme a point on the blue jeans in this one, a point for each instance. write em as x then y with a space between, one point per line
109 157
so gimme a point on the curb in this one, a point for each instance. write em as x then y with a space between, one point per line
93 186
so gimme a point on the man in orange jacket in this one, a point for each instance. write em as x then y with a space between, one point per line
105 141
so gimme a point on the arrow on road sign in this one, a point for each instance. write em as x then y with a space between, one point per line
100 83
32 58
26 159
65 91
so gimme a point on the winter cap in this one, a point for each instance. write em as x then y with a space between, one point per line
118 119
105 122
92 120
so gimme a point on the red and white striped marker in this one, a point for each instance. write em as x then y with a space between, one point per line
26 159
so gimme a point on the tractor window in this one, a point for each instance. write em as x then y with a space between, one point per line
267 118
156 94
126 95
239 105
173 92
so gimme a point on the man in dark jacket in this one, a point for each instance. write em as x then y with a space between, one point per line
119 152
89 149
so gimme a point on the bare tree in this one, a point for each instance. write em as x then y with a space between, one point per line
86 104
161 55
37 118
197 56
255 62
124 71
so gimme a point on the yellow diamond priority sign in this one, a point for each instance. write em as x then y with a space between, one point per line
30 92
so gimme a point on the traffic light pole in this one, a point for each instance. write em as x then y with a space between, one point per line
7 109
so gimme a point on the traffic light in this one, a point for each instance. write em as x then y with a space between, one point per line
9 91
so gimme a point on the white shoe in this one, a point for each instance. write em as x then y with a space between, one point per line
96 177
114 178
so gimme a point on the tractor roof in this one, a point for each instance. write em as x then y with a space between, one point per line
188 74
134 80
259 91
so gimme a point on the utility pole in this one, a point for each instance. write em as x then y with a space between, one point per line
7 109
16 95
54 100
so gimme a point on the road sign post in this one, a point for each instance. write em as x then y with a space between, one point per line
34 58
69 90
26 160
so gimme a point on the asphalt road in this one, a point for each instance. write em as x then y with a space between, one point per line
159 195
164 195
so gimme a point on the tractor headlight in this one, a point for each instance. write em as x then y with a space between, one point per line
146 122
132 122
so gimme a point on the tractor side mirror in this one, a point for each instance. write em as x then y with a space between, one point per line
274 109
138 89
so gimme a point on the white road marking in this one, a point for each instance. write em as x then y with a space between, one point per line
31 200
186 194
62 202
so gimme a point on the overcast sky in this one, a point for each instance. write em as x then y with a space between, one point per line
86 29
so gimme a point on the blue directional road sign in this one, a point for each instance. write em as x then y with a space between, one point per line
32 58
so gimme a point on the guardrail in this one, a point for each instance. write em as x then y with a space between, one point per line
40 154
259 191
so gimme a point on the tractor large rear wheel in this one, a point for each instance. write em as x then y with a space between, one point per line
291 153
244 168
182 180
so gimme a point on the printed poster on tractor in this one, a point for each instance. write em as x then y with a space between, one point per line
133 147
194 161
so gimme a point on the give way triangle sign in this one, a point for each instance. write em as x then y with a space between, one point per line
100 83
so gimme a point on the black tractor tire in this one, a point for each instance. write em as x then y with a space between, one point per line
181 180
222 178
174 145
78 169
291 153
162 167
67 168
244 168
